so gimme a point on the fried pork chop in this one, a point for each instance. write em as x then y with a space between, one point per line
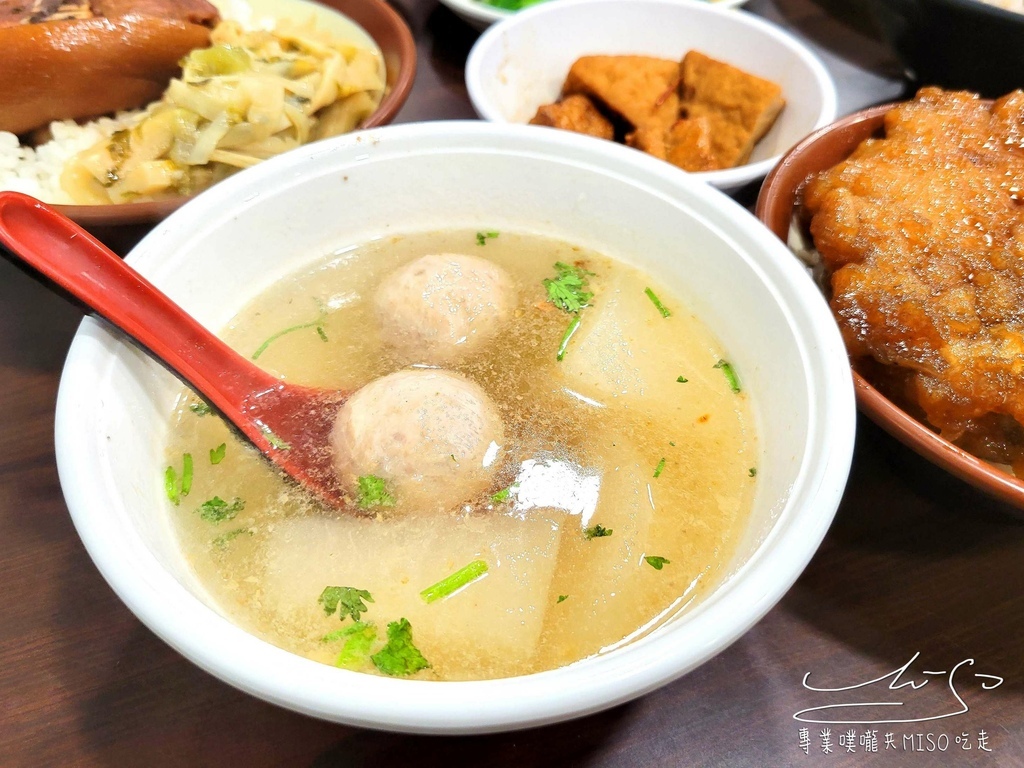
922 234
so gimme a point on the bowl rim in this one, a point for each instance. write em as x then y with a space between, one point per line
173 613
726 178
778 197
400 83
481 11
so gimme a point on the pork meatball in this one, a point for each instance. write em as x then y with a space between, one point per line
441 306
433 436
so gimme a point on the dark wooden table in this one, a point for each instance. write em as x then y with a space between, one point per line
915 563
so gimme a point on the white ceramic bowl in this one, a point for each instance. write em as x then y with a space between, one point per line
230 243
481 15
521 63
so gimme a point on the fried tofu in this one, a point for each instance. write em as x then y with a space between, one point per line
642 89
689 145
740 107
575 113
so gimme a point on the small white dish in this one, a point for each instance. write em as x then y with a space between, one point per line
521 63
227 245
480 15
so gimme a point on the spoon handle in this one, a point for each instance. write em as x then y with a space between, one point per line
81 265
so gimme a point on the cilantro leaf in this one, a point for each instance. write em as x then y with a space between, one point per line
358 639
562 598
399 656
186 474
568 291
752 472
373 492
682 379
660 468
483 237
222 541
216 510
657 563
202 408
217 454
347 601
597 532
171 485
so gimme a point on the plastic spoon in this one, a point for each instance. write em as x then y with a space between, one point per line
290 424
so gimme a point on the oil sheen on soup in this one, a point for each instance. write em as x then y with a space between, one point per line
613 474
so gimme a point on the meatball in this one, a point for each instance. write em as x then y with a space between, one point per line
438 307
433 436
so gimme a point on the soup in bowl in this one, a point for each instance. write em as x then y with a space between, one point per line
598 423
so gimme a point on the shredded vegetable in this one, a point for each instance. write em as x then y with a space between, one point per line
251 95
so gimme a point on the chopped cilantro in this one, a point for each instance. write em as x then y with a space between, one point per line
597 532
202 408
222 541
730 375
171 485
752 472
657 563
347 601
275 440
682 379
660 468
449 585
318 323
574 325
186 474
657 303
501 495
483 237
358 639
373 492
217 454
562 598
568 291
399 656
216 510
672 443
177 487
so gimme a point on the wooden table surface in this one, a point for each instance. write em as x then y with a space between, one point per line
915 563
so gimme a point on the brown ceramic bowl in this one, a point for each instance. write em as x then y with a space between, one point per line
776 204
380 21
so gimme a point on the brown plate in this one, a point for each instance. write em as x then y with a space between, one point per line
775 206
380 21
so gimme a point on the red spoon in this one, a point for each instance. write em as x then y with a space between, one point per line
290 424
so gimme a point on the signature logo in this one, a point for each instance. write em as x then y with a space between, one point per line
945 701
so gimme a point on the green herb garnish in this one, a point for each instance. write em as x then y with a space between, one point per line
358 639
186 474
752 472
562 598
222 541
511 5
657 303
501 495
373 492
568 291
661 466
399 656
217 454
657 563
483 237
597 532
275 440
216 510
202 408
682 380
347 601
453 583
730 375
171 485
574 326
318 323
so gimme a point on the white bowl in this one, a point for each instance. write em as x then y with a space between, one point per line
229 244
481 15
521 63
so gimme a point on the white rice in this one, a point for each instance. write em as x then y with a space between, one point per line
37 171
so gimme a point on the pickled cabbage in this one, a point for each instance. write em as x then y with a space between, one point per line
250 95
